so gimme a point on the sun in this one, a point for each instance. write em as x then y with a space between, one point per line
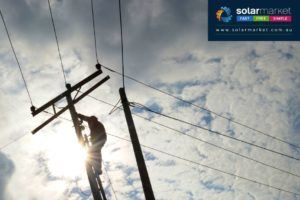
66 157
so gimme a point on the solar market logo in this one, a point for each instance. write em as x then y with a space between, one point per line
254 20
270 15
224 14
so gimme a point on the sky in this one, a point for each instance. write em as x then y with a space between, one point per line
165 45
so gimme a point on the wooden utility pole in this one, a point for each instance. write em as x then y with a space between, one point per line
94 179
137 148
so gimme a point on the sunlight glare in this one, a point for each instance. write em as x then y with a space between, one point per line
66 157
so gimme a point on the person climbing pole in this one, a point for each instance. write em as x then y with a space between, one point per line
98 138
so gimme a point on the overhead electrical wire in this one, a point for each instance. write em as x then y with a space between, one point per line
110 182
219 147
13 141
57 44
190 161
21 136
114 108
201 140
17 60
94 30
215 132
209 167
123 75
202 108
206 166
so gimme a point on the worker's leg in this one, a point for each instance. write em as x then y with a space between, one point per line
95 158
96 155
97 162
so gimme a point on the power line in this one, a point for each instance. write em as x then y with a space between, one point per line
110 183
203 108
114 108
219 147
21 136
13 141
57 44
17 60
94 30
122 48
204 141
45 111
216 132
18 138
187 160
209 167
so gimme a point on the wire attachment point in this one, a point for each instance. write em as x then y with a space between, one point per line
68 86
98 66
32 108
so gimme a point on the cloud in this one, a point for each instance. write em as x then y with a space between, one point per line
6 170
185 59
294 113
210 185
214 60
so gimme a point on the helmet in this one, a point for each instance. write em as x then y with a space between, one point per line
94 118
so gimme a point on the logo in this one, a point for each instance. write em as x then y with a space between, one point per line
253 20
224 14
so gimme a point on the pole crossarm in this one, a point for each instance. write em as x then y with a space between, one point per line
73 101
93 176
62 95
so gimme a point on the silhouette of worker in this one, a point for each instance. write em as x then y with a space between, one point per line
98 139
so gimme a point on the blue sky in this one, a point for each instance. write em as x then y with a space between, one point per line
165 44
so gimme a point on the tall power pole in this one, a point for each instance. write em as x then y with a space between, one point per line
137 148
94 179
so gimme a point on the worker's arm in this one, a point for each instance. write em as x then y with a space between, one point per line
83 117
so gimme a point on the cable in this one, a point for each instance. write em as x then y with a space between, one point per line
203 108
122 48
193 162
197 163
18 138
216 132
114 108
94 29
13 141
219 147
17 60
204 141
110 183
209 167
57 117
184 159
57 44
